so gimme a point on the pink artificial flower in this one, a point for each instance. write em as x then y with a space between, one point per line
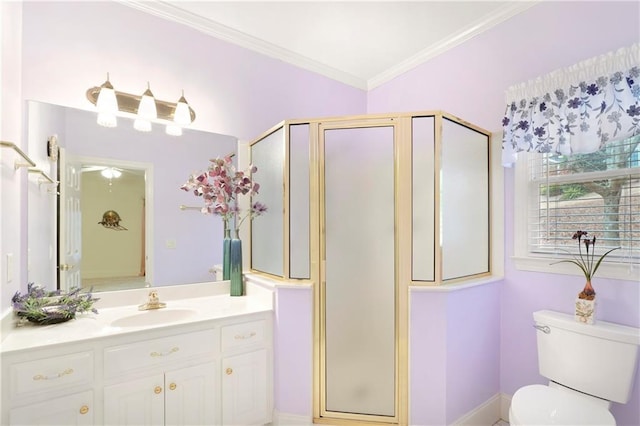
220 187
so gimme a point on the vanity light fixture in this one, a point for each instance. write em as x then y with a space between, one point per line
178 114
146 111
107 105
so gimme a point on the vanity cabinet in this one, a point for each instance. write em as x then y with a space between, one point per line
165 381
245 376
181 397
55 390
244 385
216 372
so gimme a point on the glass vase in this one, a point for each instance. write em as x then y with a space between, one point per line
235 261
226 253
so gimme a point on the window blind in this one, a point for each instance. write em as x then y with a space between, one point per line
597 192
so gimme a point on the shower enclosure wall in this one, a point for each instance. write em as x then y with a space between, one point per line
365 207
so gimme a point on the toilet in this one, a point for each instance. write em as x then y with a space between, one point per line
588 367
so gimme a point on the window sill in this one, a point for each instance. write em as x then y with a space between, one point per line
616 271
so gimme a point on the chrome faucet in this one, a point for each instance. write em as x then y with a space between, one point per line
153 302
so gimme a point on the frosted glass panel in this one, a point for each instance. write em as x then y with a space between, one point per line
464 201
299 201
267 235
360 296
423 239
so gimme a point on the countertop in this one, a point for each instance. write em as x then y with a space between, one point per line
118 314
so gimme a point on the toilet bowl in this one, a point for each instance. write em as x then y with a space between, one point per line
544 405
588 367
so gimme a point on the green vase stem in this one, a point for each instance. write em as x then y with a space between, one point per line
226 253
236 284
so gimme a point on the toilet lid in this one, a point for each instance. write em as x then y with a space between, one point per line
542 405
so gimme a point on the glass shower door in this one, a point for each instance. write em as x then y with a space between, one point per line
359 271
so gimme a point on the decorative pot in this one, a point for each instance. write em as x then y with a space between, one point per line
586 305
226 252
235 262
585 310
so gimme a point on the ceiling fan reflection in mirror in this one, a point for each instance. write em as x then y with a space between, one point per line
110 172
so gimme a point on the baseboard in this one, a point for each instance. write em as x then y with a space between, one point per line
286 419
505 404
485 414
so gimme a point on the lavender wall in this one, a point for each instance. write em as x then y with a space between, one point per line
293 351
13 184
70 46
470 81
454 351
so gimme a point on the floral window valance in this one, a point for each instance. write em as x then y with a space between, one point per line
577 109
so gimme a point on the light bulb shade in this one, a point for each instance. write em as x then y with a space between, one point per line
142 125
182 115
107 105
107 120
147 108
107 101
174 130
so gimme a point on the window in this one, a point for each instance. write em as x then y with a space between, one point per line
598 192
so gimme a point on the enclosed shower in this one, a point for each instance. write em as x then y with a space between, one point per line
364 207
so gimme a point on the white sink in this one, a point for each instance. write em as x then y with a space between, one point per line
153 317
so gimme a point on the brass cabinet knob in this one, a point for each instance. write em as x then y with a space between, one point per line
84 409
229 371
173 386
157 389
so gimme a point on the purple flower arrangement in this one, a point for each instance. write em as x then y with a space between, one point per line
220 186
44 307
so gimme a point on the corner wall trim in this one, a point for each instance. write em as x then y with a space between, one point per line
505 405
486 414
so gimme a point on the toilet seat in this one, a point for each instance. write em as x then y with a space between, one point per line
542 405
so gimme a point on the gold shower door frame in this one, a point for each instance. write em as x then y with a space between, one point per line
400 154
403 217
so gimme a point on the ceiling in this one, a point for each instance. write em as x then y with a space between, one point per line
360 43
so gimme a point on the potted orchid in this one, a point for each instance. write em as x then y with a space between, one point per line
585 303
220 186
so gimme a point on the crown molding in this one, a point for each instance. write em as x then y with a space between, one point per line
168 11
465 34
174 13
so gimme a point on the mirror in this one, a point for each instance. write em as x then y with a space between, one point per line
173 245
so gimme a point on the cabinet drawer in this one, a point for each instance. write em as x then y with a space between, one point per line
49 374
76 409
123 359
241 335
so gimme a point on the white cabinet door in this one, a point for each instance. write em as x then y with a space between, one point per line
190 397
76 409
244 389
136 402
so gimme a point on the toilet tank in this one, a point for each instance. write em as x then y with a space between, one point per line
598 359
